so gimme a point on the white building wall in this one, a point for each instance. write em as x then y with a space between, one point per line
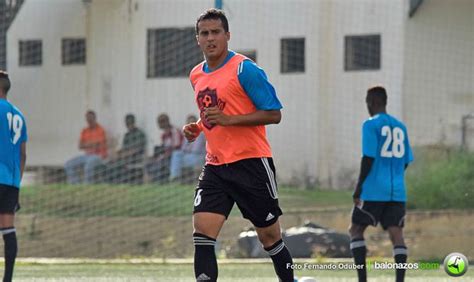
119 31
51 96
319 136
439 71
323 107
261 25
117 73
342 93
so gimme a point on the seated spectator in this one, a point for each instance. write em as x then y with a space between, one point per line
125 165
93 142
171 139
191 155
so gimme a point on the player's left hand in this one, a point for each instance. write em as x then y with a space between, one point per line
216 117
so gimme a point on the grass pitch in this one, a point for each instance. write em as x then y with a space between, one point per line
183 272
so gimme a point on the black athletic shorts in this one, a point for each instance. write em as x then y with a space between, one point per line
250 183
9 199
388 213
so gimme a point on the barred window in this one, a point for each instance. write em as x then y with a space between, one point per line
73 51
172 52
30 53
362 52
292 56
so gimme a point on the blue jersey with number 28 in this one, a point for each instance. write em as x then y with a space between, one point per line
12 135
385 139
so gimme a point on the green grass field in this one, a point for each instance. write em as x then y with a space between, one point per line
441 178
228 272
148 200
96 205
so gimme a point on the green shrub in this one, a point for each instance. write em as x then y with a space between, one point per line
441 178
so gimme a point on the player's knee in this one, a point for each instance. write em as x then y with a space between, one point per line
199 230
396 235
356 231
205 230
268 238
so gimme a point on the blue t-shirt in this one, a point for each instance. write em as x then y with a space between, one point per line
385 139
255 83
12 135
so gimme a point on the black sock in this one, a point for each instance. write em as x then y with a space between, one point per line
400 255
11 248
359 252
281 258
205 261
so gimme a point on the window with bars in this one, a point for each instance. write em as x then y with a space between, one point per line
292 55
30 53
172 52
362 52
73 51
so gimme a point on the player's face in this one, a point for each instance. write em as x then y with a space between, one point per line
212 39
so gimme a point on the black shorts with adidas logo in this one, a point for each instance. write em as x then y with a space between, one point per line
250 183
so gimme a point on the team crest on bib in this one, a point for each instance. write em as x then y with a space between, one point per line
208 98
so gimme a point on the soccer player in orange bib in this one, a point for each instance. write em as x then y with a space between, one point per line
235 101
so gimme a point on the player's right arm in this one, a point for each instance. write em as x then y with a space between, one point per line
260 117
191 131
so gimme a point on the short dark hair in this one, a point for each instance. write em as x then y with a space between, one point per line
130 118
378 93
213 14
4 81
90 112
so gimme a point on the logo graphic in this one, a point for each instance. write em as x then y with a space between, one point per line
208 98
455 264
203 277
270 216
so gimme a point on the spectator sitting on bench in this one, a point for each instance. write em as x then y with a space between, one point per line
120 168
191 155
171 139
93 142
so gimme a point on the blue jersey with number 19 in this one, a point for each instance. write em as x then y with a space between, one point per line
12 135
385 139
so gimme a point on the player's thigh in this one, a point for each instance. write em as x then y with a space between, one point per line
367 213
255 191
393 215
212 205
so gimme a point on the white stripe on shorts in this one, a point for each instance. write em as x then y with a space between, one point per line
271 177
